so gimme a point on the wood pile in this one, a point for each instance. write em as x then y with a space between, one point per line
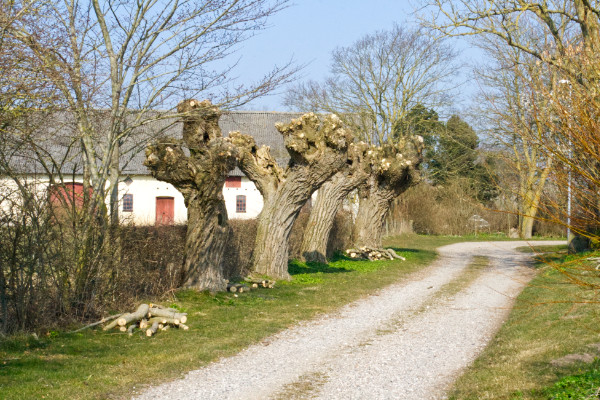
373 254
250 284
149 318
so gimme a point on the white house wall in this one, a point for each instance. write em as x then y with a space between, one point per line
145 190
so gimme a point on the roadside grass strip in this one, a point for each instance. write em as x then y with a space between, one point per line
97 365
549 347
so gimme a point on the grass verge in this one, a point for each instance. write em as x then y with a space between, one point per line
98 365
547 347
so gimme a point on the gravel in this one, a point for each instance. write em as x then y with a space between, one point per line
391 345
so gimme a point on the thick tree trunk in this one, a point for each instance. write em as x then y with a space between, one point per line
372 211
275 223
318 149
322 216
200 178
207 233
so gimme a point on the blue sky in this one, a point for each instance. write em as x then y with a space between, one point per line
308 31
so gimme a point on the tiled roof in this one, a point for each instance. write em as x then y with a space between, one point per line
59 142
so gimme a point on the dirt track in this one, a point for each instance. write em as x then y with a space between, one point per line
409 341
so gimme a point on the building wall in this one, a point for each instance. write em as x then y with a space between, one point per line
145 190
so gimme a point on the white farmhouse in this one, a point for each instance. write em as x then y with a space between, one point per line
147 201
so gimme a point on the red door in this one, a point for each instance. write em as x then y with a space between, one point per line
165 210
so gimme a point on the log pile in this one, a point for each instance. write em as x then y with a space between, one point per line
149 318
373 254
250 284
260 283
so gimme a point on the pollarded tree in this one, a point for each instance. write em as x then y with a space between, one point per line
377 81
393 168
318 149
200 178
329 201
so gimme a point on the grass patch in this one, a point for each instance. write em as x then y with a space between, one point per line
553 317
98 365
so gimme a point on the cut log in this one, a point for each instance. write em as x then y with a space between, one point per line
152 330
140 313
373 254
183 326
165 328
131 328
123 328
164 321
168 313
107 327
231 288
143 323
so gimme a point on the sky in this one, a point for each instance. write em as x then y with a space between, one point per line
308 31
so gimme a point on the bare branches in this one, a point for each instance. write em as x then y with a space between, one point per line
378 79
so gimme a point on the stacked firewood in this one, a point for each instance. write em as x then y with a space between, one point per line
149 318
250 284
373 254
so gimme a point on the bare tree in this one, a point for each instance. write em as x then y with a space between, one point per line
514 123
200 178
374 84
131 58
564 38
393 168
546 30
329 201
318 149
380 173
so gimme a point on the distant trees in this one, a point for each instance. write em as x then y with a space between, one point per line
373 86
562 39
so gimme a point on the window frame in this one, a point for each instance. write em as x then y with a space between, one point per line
127 202
240 204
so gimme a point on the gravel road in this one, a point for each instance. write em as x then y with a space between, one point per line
408 341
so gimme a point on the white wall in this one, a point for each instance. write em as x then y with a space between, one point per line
145 189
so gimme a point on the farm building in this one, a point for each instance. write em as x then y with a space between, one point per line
143 199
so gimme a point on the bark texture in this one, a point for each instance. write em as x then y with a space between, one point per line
392 168
329 201
200 178
318 149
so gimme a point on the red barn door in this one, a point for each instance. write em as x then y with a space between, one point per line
165 210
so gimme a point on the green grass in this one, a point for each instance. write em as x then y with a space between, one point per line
99 365
556 315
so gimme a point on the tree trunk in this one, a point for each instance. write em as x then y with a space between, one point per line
526 228
330 198
275 222
200 178
207 233
318 149
372 211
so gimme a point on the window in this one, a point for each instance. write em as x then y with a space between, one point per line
128 203
240 204
233 182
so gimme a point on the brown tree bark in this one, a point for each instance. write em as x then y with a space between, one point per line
200 178
318 149
392 170
330 198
